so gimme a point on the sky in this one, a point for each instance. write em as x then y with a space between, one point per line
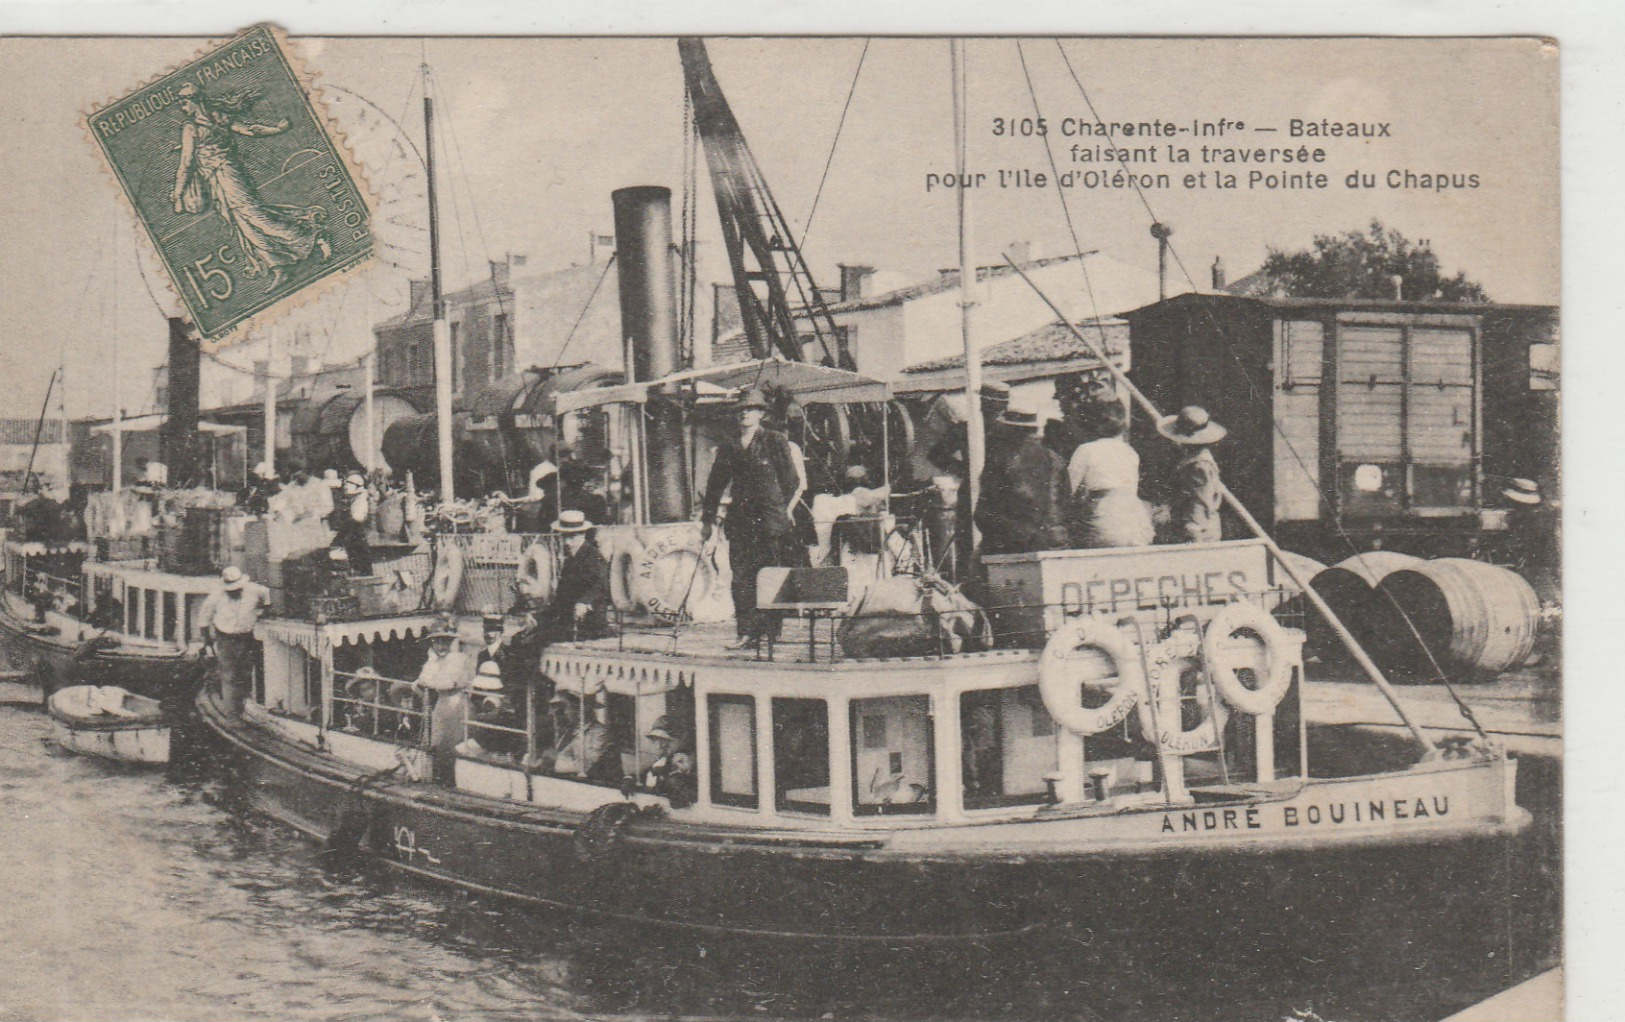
535 133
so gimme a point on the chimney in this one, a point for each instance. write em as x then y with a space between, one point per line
1218 273
648 284
418 293
499 274
855 281
1021 252
178 439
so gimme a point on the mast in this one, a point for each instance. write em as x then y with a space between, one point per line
442 330
270 399
975 454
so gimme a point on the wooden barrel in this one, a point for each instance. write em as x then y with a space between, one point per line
1349 587
1471 614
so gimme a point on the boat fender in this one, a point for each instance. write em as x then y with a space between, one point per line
447 579
1058 683
536 571
1168 660
1272 687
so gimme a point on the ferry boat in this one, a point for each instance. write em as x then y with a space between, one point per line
68 619
1128 749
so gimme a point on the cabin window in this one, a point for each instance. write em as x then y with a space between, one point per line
1007 745
801 755
172 617
893 756
1405 418
194 607
501 347
149 613
1543 367
733 750
132 611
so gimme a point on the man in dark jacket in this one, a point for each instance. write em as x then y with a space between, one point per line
1024 491
759 471
580 607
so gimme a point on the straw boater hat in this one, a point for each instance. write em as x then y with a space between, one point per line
751 398
1522 491
488 678
444 633
355 479
1021 418
662 729
232 578
363 676
572 520
491 623
1192 425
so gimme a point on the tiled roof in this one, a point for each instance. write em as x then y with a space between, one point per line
1050 343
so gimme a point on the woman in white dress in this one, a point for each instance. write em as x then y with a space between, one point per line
1105 477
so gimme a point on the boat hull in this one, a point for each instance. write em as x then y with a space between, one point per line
140 740
50 662
854 886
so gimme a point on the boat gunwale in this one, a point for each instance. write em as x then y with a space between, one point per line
870 845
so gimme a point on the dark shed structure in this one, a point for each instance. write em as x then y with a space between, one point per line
1381 424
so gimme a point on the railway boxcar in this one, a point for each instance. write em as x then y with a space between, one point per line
1385 424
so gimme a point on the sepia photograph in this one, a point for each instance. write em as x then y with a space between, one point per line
749 526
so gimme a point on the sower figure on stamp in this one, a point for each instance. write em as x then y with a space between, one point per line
211 176
759 471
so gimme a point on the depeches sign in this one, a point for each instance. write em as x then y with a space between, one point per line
1032 593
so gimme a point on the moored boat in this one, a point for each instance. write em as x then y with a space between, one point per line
109 723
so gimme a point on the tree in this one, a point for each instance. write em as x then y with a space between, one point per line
1362 264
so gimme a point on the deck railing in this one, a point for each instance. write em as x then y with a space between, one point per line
379 707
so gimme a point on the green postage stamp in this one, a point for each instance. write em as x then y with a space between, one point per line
231 169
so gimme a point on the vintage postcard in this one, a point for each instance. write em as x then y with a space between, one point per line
229 165
804 527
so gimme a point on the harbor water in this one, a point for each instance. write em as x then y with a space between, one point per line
145 894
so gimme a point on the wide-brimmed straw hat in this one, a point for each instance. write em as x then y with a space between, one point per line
1522 491
1021 418
572 520
661 729
444 633
751 397
233 578
1193 425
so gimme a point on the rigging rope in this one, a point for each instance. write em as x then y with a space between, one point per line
830 159
583 315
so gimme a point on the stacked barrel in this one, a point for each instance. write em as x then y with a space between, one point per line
1418 619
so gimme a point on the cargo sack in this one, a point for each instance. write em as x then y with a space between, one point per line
905 616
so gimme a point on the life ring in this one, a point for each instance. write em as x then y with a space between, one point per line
1166 664
447 579
1273 686
536 571
671 575
1058 684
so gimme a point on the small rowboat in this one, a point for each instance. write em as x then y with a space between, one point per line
106 721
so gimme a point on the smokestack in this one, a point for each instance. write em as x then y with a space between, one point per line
178 438
1218 274
648 285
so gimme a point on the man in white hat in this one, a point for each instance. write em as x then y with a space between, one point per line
1024 490
445 677
1197 491
580 606
226 622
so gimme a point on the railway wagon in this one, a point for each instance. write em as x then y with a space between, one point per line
1361 424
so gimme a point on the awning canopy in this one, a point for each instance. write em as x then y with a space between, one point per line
148 423
808 382
317 639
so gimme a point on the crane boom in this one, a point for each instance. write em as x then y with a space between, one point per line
770 275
